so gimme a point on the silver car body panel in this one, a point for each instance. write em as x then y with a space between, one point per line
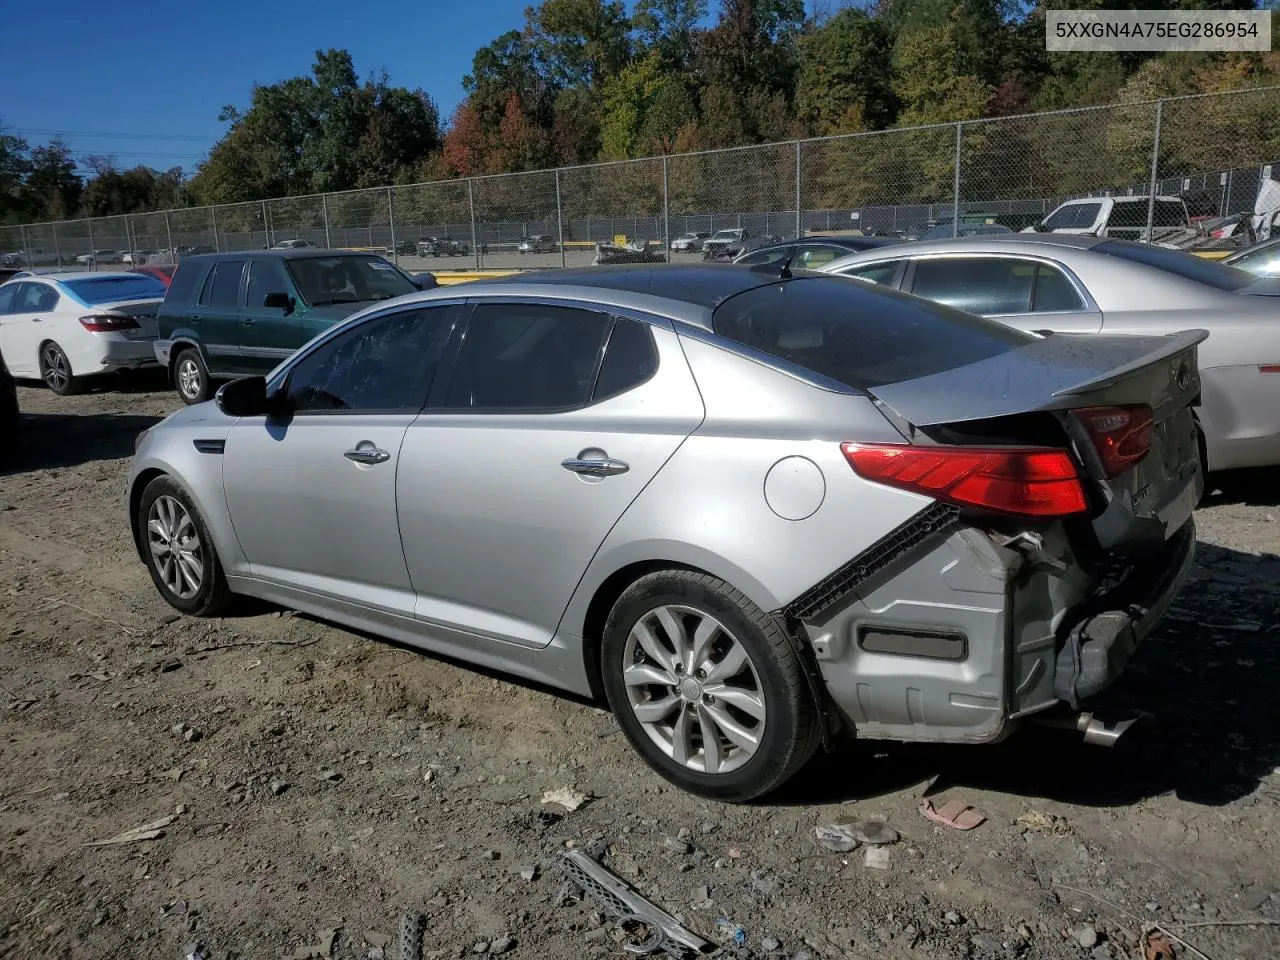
734 468
1240 403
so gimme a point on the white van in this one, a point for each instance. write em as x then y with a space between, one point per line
1123 217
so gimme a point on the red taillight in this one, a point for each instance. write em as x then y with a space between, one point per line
1027 482
107 323
1121 435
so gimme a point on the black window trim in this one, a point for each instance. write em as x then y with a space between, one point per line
279 382
1089 306
610 314
208 283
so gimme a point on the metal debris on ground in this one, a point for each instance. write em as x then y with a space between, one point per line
623 902
877 857
148 831
411 936
570 797
837 837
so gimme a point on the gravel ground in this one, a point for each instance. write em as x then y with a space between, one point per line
323 781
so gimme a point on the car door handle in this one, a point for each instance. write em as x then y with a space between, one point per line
248 321
367 455
595 468
196 318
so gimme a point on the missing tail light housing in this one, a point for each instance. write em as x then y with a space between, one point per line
1121 435
107 323
1022 481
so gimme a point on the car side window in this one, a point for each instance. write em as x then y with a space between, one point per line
527 356
772 255
882 272
630 358
7 292
813 255
383 365
265 276
986 286
222 289
1054 292
35 298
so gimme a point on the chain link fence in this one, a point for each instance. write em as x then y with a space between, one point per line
1214 151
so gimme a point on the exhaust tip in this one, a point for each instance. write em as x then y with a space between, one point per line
1096 731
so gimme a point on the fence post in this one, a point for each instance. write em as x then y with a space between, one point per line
391 220
1155 163
93 254
666 209
559 223
26 247
57 248
797 189
213 218
324 206
168 232
266 228
955 187
471 202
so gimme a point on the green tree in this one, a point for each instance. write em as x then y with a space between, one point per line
844 81
578 42
643 106
15 167
53 185
668 27
929 82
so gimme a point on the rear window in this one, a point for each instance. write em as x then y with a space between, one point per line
1074 216
860 335
94 290
182 288
1133 213
1185 265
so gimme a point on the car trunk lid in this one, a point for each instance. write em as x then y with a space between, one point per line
1099 389
143 313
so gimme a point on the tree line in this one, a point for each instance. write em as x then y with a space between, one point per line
585 81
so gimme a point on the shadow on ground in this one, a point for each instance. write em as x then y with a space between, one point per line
1257 488
48 440
1205 681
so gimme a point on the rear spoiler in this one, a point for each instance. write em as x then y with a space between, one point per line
1052 373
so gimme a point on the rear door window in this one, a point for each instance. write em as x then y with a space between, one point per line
857 334
1054 292
630 359
884 272
265 276
182 288
35 298
988 286
223 286
7 292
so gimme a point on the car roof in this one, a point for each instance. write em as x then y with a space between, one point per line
985 243
275 253
687 292
79 275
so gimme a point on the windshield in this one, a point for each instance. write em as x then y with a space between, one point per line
858 334
95 290
1185 265
1074 216
726 235
347 279
1262 261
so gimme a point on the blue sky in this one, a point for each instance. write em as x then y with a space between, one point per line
166 69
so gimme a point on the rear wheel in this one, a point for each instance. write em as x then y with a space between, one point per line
55 370
179 551
707 687
191 377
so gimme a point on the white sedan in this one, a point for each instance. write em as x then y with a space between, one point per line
63 327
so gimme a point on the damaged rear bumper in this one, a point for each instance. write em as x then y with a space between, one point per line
945 633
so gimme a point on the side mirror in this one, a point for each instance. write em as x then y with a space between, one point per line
247 397
280 301
424 281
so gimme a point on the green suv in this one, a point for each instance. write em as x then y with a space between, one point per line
238 314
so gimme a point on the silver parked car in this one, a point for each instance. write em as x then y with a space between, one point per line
539 244
750 509
1080 284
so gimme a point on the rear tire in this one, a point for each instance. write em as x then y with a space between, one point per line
179 552
191 377
738 721
55 371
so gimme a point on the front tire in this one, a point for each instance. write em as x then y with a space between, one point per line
179 552
191 377
707 686
55 371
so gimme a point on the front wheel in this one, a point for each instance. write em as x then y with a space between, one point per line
179 552
191 377
707 687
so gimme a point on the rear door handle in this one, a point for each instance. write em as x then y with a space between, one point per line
595 468
248 321
368 455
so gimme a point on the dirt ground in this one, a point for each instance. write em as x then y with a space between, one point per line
322 780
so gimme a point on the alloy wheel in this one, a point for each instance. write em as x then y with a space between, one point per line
189 378
693 688
56 373
175 547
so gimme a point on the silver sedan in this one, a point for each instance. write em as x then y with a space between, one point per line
1077 284
751 510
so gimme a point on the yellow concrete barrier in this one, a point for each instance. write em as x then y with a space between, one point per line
450 277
